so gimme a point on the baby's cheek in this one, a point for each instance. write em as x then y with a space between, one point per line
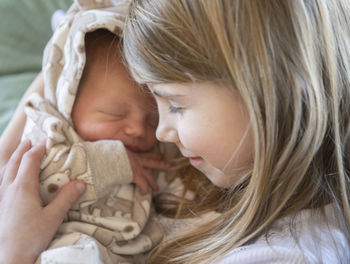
97 131
150 140
90 134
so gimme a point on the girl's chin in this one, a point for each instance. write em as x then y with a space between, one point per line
216 176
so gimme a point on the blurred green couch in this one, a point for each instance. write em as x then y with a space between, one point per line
25 28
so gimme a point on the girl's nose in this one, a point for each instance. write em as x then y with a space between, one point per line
166 133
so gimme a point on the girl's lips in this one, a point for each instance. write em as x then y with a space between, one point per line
195 161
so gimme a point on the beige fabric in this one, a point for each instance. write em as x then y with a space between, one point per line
112 222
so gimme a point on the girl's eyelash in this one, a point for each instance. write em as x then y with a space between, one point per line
175 109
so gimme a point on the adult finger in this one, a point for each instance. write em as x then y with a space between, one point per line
29 168
12 167
64 200
2 173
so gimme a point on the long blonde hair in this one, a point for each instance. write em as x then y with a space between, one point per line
290 62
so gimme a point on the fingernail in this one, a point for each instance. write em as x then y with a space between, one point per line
80 186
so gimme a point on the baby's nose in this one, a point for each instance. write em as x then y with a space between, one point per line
135 128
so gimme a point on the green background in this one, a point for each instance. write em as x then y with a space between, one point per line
25 28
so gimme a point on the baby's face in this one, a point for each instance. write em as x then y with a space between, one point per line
110 105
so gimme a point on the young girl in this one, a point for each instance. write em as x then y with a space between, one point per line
256 94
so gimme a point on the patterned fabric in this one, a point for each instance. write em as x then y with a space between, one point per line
112 222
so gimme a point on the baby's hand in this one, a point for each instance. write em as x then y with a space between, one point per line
141 165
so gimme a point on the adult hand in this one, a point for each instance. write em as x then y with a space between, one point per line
141 166
12 134
26 226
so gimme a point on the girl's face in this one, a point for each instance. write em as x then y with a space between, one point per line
210 126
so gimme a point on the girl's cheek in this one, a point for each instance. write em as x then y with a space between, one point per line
191 138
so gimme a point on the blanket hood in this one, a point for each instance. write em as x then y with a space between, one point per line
64 55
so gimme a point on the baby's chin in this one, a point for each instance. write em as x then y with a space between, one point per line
139 149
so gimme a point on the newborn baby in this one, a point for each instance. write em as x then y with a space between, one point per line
100 128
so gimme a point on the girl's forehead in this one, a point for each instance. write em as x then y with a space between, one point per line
171 88
181 89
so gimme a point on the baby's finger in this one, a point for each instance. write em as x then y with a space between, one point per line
10 172
150 180
154 164
142 183
29 168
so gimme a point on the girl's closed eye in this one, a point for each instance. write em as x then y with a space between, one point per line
175 109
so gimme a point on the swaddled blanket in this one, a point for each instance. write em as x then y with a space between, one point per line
111 222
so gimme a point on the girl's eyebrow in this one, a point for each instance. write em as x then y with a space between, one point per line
166 95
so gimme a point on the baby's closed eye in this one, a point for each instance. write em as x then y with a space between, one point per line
113 115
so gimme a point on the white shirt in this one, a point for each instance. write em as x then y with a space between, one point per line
318 242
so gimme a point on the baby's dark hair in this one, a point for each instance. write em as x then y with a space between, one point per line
102 41
101 35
